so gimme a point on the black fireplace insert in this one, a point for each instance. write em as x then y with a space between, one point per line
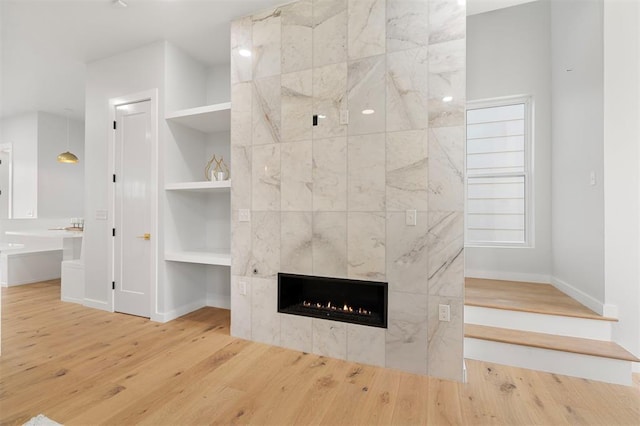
337 299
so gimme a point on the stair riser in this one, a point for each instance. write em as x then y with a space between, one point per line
539 323
550 361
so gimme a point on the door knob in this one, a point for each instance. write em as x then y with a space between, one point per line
145 236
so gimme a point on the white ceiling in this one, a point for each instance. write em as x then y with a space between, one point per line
45 44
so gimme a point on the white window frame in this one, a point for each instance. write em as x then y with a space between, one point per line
529 198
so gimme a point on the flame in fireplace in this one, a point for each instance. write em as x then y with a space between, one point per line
333 307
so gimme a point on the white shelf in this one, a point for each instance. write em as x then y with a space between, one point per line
209 186
204 256
207 119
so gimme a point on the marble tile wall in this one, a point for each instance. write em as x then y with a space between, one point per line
331 199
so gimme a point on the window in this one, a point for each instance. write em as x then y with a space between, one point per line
499 178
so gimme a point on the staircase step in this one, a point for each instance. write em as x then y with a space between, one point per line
525 297
549 341
585 328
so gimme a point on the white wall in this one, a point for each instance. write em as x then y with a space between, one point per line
577 150
21 132
60 186
622 168
508 53
124 74
218 87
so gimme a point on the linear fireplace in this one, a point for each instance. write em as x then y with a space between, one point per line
338 299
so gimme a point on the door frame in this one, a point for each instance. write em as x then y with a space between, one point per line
151 96
9 147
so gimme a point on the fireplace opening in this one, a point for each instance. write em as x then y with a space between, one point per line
337 299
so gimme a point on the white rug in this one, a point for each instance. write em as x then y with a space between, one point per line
41 420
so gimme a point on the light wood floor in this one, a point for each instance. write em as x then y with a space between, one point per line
526 297
82 366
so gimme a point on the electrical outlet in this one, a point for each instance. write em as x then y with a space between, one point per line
244 215
344 116
444 312
592 178
242 287
411 217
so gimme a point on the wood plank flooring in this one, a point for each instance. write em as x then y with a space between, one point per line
525 297
81 366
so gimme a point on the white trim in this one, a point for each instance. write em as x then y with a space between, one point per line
635 366
582 297
98 304
178 312
72 299
508 276
8 147
153 97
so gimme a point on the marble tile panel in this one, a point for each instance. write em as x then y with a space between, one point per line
241 124
265 320
267 37
297 176
366 86
240 246
329 98
240 308
330 338
297 33
297 106
407 253
447 79
329 32
295 252
241 39
366 245
366 172
366 28
242 180
446 168
265 244
446 254
407 170
407 24
296 333
330 244
407 91
407 332
266 118
366 344
445 351
447 21
330 174
265 177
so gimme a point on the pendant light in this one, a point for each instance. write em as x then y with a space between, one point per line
67 157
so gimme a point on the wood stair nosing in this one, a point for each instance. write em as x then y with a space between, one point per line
576 345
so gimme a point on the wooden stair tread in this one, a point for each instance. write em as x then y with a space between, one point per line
525 297
549 341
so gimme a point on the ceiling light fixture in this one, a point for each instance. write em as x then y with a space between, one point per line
368 111
447 99
67 156
244 52
120 3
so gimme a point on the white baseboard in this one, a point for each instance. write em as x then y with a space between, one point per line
72 300
178 312
582 297
508 276
97 304
221 301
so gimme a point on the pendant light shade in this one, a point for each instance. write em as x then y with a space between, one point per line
67 156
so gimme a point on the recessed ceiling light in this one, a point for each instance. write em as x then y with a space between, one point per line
244 52
447 99
322 116
368 111
120 3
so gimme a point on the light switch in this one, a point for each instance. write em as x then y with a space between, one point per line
242 287
411 218
592 178
244 215
101 215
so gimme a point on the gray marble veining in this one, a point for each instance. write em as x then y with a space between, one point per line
295 252
330 338
240 308
265 244
407 253
267 36
366 85
447 20
329 99
330 244
296 333
366 172
297 36
366 344
366 24
330 174
297 106
241 110
446 249
265 170
296 176
265 320
241 40
329 32
407 170
407 94
366 245
266 109
407 333
407 24
446 168
445 349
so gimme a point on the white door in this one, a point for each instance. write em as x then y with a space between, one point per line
133 252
